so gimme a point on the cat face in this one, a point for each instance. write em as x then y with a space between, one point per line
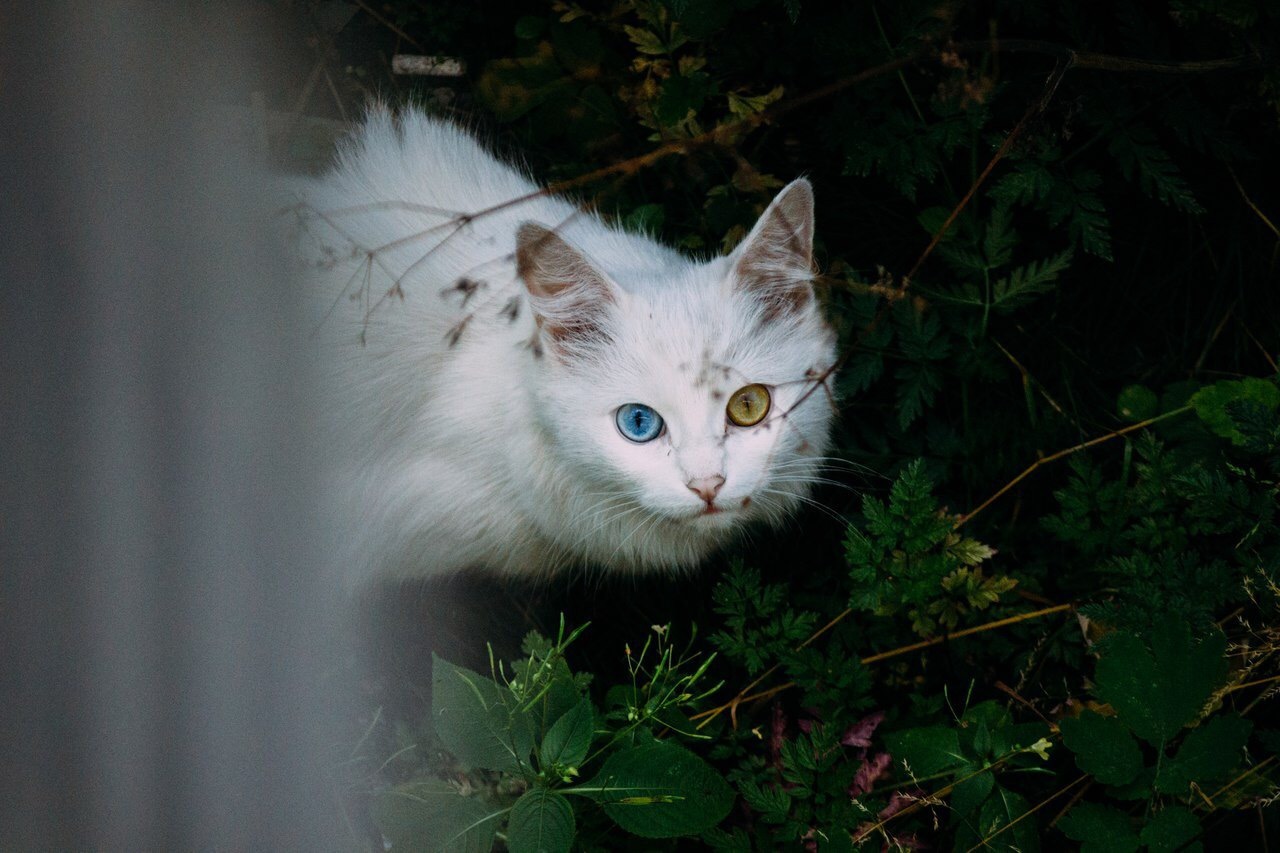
689 401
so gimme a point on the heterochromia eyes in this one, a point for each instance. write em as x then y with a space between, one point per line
748 405
638 422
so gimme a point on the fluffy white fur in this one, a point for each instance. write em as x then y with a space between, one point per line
475 381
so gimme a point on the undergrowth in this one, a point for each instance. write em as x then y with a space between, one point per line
1048 618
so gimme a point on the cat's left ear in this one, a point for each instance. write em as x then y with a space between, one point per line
571 296
775 261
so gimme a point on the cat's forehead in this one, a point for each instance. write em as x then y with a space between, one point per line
702 344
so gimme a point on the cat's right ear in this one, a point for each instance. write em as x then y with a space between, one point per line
571 297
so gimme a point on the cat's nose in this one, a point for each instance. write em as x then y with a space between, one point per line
706 487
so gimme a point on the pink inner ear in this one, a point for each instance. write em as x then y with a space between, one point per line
775 261
570 295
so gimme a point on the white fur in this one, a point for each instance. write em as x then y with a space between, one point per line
459 445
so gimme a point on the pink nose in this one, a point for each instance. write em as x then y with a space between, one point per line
706 487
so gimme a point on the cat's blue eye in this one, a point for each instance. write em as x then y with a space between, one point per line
638 422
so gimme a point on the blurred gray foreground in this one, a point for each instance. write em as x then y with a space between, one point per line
163 586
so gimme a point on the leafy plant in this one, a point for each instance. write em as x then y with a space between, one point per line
536 732
1039 603
1163 696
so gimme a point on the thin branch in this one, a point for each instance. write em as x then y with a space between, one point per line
1053 457
1050 87
381 19
745 694
1030 811
1236 781
1257 210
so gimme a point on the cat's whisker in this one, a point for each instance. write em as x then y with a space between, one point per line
808 501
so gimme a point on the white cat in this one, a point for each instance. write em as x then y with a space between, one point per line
530 388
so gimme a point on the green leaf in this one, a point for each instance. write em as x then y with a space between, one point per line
1158 691
998 816
772 803
541 822
927 750
1140 156
567 741
1170 830
1207 753
660 790
432 816
474 720
1021 285
1103 747
1100 829
967 795
1210 403
645 40
1137 403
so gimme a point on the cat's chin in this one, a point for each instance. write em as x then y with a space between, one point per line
714 518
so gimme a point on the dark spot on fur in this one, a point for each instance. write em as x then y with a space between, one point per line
746 502
511 310
455 334
717 396
465 288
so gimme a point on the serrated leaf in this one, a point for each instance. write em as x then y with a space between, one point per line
1206 754
1158 691
541 822
645 40
970 552
1022 284
1100 829
1141 158
567 741
431 816
659 790
474 720
772 803
1103 747
863 370
1170 829
743 106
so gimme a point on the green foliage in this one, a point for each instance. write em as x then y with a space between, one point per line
908 558
1156 695
1114 267
536 731
660 790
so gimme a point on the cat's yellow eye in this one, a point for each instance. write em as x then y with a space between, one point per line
748 405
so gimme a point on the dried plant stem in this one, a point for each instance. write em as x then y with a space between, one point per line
1053 457
1257 210
1030 811
745 694
934 797
382 19
1075 798
1050 86
1236 781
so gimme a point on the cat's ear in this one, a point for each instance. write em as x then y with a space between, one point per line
571 297
775 261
